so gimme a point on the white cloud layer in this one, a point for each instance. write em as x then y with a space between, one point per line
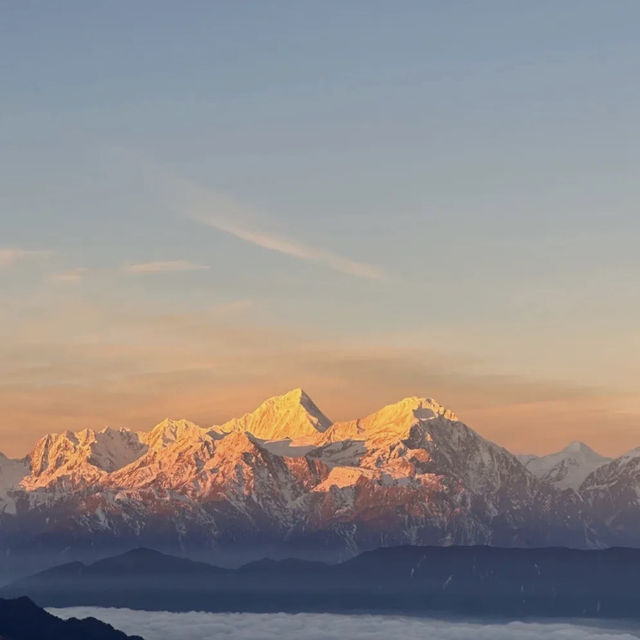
162 625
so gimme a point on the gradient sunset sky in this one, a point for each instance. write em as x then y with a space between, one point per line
206 203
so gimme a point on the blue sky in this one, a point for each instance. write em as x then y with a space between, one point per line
430 197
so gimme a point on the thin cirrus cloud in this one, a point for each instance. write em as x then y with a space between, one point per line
289 247
72 275
11 255
164 266
211 208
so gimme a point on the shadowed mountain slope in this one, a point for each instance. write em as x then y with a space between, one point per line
21 619
465 580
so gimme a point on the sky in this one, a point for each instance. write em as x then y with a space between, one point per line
198 625
203 204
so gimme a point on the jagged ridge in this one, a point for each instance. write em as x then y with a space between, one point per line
284 477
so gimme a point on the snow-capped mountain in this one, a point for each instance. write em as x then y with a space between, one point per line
293 415
566 469
283 479
77 459
612 493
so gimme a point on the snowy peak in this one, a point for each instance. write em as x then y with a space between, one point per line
392 421
292 415
170 431
407 412
417 408
580 448
86 453
568 468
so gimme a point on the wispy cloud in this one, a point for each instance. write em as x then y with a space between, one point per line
72 275
216 210
293 248
11 255
164 266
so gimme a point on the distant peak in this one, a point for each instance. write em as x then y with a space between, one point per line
576 447
171 430
290 415
423 408
580 448
392 421
168 422
175 423
295 400
295 396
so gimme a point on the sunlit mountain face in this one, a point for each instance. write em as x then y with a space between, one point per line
286 480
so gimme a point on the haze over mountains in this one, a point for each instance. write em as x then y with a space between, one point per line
284 480
404 580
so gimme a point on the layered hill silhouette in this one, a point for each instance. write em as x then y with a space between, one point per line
22 619
284 480
410 580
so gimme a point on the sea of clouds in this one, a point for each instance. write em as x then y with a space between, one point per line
162 625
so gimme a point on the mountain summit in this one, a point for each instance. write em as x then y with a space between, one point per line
292 415
568 468
170 431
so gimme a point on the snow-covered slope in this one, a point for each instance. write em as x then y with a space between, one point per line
565 469
612 493
176 449
443 483
80 458
168 432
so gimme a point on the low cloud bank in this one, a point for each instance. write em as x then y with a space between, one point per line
162 625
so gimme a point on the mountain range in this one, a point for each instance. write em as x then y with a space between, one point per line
461 580
284 480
